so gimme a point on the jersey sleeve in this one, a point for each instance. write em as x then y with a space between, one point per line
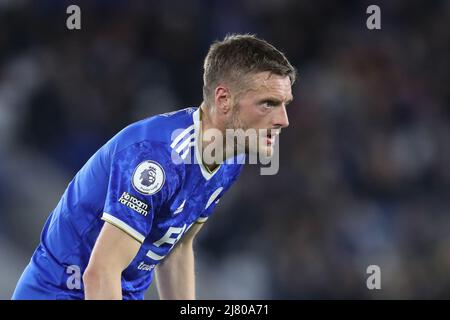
141 178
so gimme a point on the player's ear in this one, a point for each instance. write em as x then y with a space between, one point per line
222 99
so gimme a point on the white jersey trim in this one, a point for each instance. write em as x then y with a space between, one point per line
123 226
198 129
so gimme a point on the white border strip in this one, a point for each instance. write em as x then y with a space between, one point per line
198 129
181 135
186 151
185 143
122 225
202 219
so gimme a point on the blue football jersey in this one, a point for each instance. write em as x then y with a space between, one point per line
150 182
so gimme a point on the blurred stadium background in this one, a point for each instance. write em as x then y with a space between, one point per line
365 163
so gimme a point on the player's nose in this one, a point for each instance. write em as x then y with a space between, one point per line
281 118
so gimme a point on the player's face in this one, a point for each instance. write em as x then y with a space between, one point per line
262 106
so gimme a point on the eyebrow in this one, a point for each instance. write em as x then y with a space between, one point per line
276 101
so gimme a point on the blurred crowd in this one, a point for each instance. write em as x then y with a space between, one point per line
365 172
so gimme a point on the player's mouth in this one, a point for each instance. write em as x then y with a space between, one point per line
270 138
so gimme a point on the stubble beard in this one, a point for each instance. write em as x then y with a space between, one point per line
236 123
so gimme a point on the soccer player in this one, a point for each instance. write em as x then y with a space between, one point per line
132 211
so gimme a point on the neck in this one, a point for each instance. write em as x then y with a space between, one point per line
208 120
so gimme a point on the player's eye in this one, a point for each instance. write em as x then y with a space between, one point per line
268 104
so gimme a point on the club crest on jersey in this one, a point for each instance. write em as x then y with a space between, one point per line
148 177
214 197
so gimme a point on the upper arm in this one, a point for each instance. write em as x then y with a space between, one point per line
114 250
192 232
137 187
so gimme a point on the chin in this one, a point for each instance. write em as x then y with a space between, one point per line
266 150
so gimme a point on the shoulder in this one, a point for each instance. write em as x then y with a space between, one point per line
149 141
154 134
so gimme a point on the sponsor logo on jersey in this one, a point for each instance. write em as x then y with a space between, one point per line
134 203
145 267
148 177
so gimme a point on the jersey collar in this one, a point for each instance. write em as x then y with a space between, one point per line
207 174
